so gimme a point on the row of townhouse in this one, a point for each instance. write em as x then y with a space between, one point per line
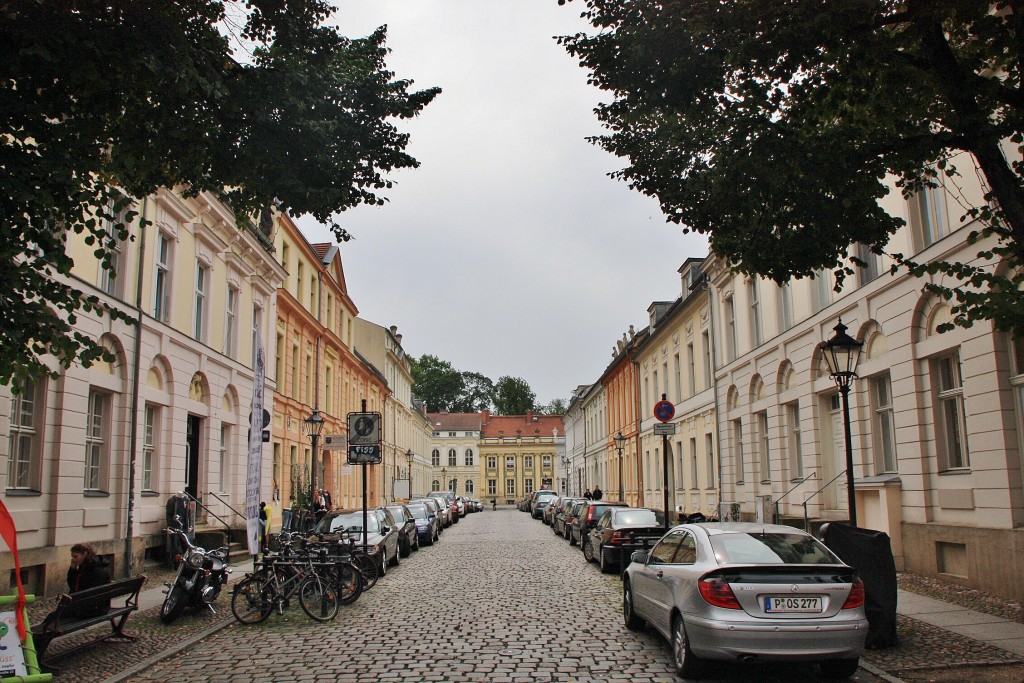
759 432
206 287
496 457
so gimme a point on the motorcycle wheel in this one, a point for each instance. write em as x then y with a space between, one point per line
250 601
174 604
318 599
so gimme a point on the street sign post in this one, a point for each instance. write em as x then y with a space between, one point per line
364 455
665 429
663 412
364 438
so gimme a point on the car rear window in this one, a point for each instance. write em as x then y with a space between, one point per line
638 517
419 511
770 548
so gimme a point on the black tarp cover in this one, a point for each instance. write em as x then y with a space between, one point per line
870 553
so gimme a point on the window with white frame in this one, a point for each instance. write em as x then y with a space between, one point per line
25 439
435 457
528 486
822 289
705 349
225 455
112 280
1017 383
97 441
731 348
754 298
872 267
884 436
694 483
510 462
468 458
785 306
510 487
469 486
231 322
452 458
950 418
928 216
257 332
691 371
737 448
709 454
527 462
492 487
794 448
764 455
199 319
300 281
435 485
162 280
295 371
150 445
492 462
546 462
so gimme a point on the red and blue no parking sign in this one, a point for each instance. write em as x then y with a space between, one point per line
664 410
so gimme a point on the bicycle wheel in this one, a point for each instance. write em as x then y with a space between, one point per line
369 569
251 601
318 599
349 583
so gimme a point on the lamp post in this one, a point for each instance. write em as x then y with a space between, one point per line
565 472
620 443
312 427
444 477
842 352
408 472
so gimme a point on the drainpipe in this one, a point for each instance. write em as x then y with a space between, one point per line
714 384
134 426
636 435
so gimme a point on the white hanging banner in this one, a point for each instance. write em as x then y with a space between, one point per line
253 470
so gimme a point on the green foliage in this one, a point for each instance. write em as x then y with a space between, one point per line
437 382
773 126
513 396
477 394
556 406
141 95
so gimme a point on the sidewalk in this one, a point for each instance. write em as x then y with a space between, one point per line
996 631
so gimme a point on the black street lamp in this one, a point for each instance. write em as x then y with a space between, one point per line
312 427
620 443
408 472
842 352
444 477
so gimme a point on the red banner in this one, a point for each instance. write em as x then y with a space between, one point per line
10 536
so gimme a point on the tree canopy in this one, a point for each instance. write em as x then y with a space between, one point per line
773 126
513 396
105 101
447 389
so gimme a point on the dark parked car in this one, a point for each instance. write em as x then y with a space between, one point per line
568 516
443 512
586 517
740 592
541 501
619 532
559 511
408 537
381 536
428 526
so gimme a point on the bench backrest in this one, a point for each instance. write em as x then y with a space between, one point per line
103 594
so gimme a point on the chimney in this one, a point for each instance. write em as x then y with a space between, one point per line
485 417
394 329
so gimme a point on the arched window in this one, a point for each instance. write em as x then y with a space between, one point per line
469 486
451 458
435 485
435 458
469 457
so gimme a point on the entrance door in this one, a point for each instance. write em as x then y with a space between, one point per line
193 430
835 458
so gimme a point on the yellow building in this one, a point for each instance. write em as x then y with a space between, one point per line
519 453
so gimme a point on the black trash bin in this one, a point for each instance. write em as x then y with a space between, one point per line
870 553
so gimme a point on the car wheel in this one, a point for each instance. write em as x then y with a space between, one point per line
404 549
629 617
416 542
839 668
572 539
382 569
605 567
686 663
565 532
588 551
394 558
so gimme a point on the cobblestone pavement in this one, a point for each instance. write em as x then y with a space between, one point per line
500 599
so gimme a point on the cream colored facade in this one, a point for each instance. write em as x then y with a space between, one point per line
175 402
935 418
519 454
455 462
674 362
407 431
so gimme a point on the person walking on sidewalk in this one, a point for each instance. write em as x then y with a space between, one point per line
597 494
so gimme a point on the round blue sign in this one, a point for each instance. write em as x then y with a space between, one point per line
664 410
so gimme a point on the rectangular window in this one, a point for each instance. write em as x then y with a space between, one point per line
313 308
737 443
654 381
295 371
231 322
279 360
329 316
928 216
528 462
199 321
546 462
162 278
300 282
510 462
492 487
705 349
492 462
691 370
510 487
762 446
678 367
885 426
709 453
730 330
785 306
97 439
307 371
872 264
257 332
329 390
794 448
24 440
284 256
822 289
468 459
452 458
754 296
225 446
694 481
528 486
950 418
150 441
112 281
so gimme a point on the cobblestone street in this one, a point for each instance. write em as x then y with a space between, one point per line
500 599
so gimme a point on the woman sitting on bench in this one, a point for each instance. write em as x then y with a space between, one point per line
87 571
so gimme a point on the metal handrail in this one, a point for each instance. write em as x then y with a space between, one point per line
227 527
793 488
226 504
831 481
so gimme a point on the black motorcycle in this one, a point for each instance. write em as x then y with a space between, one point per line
201 575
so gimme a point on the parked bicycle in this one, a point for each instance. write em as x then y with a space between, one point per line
277 579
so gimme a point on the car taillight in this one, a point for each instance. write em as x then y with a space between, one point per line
716 591
856 597
618 538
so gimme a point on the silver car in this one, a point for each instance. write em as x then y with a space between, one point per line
747 593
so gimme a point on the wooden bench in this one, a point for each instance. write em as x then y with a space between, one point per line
63 620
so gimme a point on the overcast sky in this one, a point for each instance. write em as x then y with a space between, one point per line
509 251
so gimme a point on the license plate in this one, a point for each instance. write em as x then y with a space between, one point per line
777 604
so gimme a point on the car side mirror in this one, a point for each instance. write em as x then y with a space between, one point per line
385 529
639 556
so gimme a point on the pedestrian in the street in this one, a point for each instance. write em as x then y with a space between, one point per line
264 526
588 495
494 504
326 496
597 494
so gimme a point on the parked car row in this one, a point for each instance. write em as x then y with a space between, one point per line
731 592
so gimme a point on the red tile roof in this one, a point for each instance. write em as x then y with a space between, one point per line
455 422
528 425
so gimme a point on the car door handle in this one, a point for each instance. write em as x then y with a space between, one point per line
660 574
